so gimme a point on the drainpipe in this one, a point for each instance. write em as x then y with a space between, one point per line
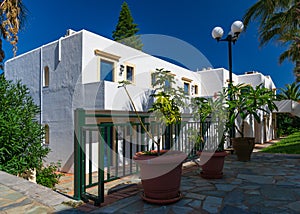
59 49
41 85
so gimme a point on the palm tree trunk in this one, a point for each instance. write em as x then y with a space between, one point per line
297 71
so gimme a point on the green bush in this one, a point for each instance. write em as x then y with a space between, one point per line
287 124
21 136
48 176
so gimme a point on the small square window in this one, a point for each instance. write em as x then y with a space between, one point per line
129 73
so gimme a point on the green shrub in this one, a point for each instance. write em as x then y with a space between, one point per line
48 176
21 136
287 124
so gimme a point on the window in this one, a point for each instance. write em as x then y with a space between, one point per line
47 135
153 79
106 70
186 87
195 89
46 77
167 84
129 73
107 65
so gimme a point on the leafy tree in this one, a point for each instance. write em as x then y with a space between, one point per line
21 135
12 17
126 30
167 105
280 21
164 82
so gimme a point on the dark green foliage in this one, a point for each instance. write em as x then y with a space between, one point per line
48 176
21 135
287 124
126 30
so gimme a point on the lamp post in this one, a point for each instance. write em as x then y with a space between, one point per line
217 33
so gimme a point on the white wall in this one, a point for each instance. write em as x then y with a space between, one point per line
144 63
214 80
257 78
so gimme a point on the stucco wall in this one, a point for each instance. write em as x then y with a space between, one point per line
144 63
57 98
213 81
26 68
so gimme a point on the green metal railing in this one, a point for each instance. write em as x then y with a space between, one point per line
105 142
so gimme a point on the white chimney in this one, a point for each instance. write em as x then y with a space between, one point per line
70 32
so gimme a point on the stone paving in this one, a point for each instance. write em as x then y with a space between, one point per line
18 196
267 184
15 202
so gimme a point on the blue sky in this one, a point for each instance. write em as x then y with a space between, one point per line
190 21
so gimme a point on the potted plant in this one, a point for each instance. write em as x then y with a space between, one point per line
161 168
213 116
247 103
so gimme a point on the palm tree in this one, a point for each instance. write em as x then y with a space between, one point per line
279 21
291 92
12 17
288 123
293 54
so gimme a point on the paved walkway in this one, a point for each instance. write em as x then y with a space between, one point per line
269 183
18 196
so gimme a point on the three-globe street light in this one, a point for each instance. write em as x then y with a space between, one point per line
236 28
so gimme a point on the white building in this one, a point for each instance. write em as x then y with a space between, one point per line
82 70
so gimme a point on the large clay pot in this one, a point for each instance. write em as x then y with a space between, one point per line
161 176
212 167
243 147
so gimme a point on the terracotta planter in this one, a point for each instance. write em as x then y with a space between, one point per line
243 147
213 163
161 176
